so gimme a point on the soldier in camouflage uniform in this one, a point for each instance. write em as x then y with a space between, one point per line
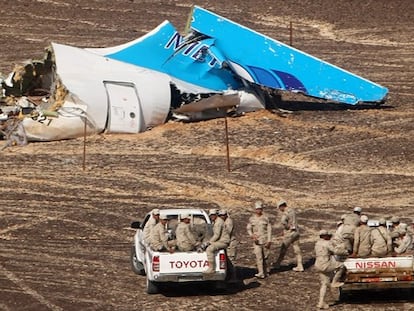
351 222
154 219
259 229
404 242
219 240
232 248
326 265
381 242
159 236
290 236
395 229
185 239
229 225
338 242
362 239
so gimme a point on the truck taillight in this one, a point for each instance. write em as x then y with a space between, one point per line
156 263
223 261
405 278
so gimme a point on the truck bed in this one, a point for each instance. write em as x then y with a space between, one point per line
184 267
379 273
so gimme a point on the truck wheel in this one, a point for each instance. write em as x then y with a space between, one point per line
152 287
136 265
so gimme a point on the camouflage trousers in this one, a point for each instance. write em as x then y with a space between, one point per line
262 254
232 250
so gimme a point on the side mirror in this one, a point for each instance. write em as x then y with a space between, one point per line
136 225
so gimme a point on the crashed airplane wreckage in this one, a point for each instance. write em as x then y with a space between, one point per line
207 73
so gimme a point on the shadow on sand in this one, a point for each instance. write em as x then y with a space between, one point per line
245 280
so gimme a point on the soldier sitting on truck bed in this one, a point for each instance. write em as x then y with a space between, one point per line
395 228
350 223
232 248
152 221
381 242
404 242
186 240
339 243
159 237
219 240
362 239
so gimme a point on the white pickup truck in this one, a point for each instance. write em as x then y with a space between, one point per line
165 267
376 273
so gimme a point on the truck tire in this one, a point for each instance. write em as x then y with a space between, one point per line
152 287
136 265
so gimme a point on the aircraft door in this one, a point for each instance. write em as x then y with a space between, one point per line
125 115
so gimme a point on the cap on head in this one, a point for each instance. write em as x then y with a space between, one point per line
155 211
281 203
222 212
258 204
184 215
382 222
324 233
357 209
364 219
402 231
395 219
213 211
163 217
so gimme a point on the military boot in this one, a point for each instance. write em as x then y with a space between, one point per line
299 267
322 304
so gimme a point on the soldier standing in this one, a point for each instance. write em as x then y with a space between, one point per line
259 229
381 242
159 237
185 239
290 236
152 221
326 264
362 239
219 240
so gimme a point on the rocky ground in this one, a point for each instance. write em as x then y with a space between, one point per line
64 225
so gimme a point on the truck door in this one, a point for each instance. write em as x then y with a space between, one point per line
125 114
